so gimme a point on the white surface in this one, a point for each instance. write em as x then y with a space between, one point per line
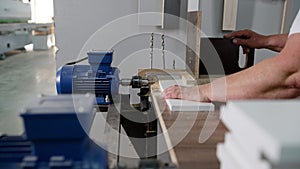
42 11
275 123
296 25
230 14
241 156
185 105
193 5
225 158
150 12
245 142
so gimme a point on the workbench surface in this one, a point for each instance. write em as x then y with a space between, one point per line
189 152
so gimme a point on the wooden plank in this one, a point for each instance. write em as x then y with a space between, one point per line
230 15
169 74
189 152
161 122
193 43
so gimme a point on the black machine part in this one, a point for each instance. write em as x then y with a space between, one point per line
144 96
144 85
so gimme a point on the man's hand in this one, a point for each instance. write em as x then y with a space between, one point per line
248 39
185 93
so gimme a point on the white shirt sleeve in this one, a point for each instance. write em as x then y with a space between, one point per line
296 25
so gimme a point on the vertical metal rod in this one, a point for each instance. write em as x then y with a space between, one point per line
174 64
151 50
163 50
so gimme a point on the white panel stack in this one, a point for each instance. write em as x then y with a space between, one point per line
263 135
178 105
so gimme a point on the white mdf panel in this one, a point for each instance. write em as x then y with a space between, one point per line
249 119
184 105
225 158
241 156
177 105
230 15
193 5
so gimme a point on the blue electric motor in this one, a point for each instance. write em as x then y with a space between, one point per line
98 78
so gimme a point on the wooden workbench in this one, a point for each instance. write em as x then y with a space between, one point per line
190 153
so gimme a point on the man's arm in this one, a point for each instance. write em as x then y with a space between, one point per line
274 78
249 39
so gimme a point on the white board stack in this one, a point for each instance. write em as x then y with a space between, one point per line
177 105
262 135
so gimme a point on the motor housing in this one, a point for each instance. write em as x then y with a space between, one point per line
98 78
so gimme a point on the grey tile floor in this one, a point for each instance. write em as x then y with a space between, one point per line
23 77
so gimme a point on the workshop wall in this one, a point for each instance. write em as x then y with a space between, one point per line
76 22
262 16
81 26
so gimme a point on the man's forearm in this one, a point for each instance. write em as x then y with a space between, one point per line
262 81
274 78
249 39
276 42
